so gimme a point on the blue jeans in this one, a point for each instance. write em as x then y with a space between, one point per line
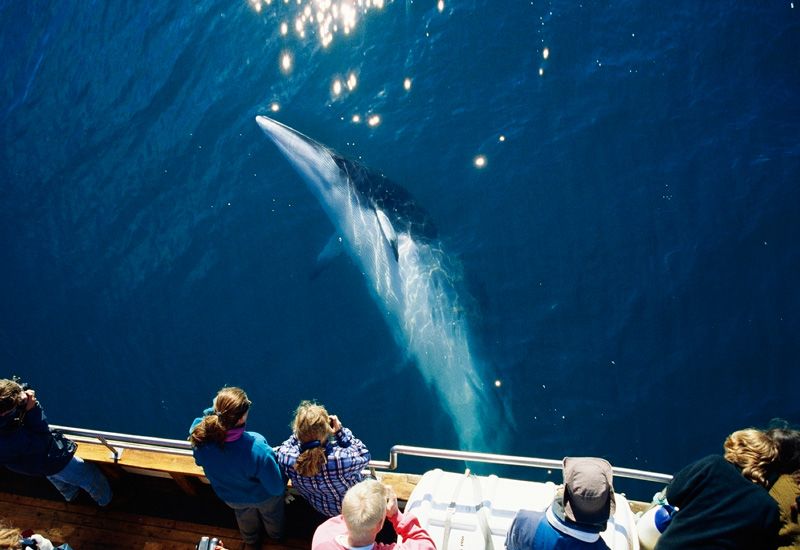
77 475
250 516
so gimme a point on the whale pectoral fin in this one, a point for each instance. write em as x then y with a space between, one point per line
332 250
388 232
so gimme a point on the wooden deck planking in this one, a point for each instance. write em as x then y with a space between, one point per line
146 512
88 527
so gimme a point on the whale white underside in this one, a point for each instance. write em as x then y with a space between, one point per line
407 279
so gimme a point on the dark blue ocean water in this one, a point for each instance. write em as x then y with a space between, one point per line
629 251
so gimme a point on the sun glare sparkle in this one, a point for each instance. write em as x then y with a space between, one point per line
502 138
374 120
326 18
352 82
440 6
497 383
480 161
286 62
356 119
407 84
275 107
337 87
545 53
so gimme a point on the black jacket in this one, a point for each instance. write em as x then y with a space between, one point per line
719 508
30 447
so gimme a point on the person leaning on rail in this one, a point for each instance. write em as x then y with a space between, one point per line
365 507
722 501
322 458
28 446
240 466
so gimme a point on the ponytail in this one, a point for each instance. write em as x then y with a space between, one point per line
230 405
312 427
208 430
311 461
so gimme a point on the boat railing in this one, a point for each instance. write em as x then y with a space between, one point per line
117 442
507 460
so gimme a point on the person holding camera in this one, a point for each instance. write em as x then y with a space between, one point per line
240 466
322 458
28 446
365 507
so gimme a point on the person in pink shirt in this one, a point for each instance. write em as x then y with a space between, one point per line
364 508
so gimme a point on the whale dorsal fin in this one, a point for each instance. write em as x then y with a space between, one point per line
388 231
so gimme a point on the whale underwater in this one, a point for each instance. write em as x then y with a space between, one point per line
395 246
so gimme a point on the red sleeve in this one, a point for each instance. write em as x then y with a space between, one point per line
414 536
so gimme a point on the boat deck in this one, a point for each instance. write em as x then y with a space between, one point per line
151 513
146 513
162 500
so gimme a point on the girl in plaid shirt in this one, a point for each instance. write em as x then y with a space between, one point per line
322 458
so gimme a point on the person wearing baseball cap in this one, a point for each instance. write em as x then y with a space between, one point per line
576 517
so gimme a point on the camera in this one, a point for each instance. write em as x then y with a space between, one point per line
207 543
24 385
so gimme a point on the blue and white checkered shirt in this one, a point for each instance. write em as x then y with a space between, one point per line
347 456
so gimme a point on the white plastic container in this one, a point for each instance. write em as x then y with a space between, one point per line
652 524
468 512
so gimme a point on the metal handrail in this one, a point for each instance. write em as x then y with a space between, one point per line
508 460
115 441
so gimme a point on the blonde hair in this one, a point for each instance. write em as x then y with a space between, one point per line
230 406
9 537
753 451
311 423
9 395
363 510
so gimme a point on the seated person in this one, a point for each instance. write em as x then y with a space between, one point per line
322 458
785 484
28 446
15 539
722 501
578 514
365 507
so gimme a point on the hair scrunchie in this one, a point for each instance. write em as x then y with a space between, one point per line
313 444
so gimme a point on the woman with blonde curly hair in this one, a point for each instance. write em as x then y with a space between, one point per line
722 501
753 452
322 458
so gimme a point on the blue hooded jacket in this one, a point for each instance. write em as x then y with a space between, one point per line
243 471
